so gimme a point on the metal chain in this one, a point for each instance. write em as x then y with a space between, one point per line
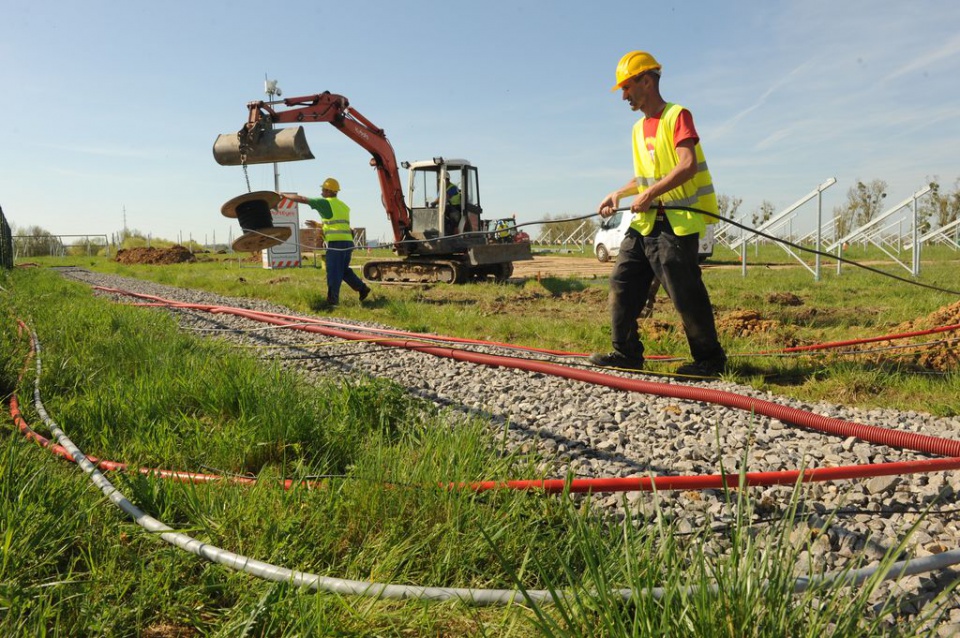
244 145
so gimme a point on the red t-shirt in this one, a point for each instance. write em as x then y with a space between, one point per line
683 130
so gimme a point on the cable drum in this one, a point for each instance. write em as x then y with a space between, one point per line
254 215
252 210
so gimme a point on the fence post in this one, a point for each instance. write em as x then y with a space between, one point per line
6 242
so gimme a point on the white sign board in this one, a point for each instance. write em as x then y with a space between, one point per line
287 254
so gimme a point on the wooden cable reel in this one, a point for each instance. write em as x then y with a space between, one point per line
252 210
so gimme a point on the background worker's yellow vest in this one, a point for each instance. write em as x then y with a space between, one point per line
695 193
337 228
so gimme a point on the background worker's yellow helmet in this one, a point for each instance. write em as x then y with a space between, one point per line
331 185
634 63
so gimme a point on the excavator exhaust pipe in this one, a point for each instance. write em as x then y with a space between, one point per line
275 145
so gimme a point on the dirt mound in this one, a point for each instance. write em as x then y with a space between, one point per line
743 323
946 316
784 299
173 255
942 354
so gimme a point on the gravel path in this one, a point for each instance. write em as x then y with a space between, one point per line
594 431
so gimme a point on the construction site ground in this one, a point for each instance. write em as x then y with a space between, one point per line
540 265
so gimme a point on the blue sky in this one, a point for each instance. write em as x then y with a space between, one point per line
112 107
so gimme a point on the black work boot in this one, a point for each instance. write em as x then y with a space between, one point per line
708 368
364 292
616 360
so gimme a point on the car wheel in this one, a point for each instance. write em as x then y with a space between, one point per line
603 255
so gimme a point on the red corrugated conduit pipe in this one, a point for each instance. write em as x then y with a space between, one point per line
160 302
828 425
550 486
688 482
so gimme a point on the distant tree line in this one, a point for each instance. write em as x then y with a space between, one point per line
34 241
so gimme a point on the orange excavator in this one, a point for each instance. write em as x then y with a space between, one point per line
440 237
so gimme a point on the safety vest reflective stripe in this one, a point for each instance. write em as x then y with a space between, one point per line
692 200
647 182
337 228
697 192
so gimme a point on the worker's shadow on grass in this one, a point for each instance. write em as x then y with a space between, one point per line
743 372
556 286
804 373
446 302
374 302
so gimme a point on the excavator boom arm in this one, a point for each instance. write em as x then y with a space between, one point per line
335 109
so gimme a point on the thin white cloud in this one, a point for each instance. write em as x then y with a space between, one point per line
731 123
774 137
949 50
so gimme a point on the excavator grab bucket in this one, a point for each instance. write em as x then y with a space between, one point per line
274 145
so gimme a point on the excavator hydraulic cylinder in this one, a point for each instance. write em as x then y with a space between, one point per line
275 145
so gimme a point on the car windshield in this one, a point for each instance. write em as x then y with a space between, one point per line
613 221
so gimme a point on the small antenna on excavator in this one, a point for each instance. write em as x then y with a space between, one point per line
270 88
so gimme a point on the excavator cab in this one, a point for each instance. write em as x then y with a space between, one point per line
444 198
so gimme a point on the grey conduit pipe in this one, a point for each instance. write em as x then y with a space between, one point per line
259 568
473 596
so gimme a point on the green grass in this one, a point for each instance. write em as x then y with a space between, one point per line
126 385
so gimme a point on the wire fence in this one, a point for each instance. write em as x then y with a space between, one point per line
46 245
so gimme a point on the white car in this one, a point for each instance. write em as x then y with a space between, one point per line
606 243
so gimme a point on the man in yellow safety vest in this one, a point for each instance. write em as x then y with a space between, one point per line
671 177
335 218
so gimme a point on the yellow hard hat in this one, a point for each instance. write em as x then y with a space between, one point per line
634 63
331 185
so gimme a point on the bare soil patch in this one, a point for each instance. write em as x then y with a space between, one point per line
943 352
560 266
745 323
158 256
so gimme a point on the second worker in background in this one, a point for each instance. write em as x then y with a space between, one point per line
335 217
662 241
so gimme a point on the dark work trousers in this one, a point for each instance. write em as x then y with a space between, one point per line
675 262
338 269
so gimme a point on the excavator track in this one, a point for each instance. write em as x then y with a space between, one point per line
430 271
415 271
